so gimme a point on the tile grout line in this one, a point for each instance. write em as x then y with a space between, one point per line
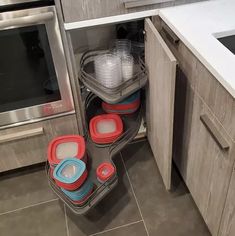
134 195
66 220
26 207
118 227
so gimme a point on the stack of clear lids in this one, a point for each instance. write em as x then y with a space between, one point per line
116 66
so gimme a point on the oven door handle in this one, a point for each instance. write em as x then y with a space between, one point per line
26 20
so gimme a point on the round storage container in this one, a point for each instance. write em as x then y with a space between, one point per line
79 196
105 128
66 146
105 171
70 173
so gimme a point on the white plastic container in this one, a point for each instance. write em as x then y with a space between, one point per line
127 67
108 70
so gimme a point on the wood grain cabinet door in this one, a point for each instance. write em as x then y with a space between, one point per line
228 220
209 164
160 96
80 10
27 144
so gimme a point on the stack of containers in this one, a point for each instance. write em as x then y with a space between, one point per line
67 158
106 128
127 106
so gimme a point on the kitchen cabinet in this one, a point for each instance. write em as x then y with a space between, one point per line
27 144
204 163
209 164
183 121
228 220
160 92
160 99
80 10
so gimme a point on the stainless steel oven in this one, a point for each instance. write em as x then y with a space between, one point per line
34 80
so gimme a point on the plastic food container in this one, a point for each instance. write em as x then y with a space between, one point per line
79 196
128 106
105 171
70 174
108 70
66 146
105 128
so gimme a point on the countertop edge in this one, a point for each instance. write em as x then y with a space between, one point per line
212 70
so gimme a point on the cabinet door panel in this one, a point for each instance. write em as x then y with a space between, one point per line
160 99
228 220
209 164
27 144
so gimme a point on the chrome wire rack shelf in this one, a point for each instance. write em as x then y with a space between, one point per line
97 155
116 94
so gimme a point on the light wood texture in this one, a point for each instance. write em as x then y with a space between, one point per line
217 98
160 99
75 86
140 3
228 220
186 60
79 10
21 135
32 150
204 83
208 169
218 137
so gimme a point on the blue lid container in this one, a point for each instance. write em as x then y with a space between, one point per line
131 98
70 173
81 193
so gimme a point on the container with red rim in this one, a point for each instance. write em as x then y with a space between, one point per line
70 173
66 146
127 106
105 171
105 128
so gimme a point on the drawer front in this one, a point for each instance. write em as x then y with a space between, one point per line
217 98
209 164
27 145
79 10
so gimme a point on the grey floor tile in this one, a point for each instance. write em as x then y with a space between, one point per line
131 230
42 220
165 213
116 209
24 189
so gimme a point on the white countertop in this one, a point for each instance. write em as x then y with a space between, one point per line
198 25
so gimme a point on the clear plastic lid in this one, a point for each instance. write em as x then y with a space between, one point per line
69 171
105 171
69 149
106 126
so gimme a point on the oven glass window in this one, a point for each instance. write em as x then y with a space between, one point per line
27 73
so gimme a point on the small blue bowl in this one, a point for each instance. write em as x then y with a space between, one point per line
70 173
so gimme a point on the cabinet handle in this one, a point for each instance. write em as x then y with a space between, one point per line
141 3
169 34
218 137
26 20
21 135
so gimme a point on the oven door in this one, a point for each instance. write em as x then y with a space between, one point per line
34 80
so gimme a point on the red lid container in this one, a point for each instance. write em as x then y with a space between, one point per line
105 128
66 146
121 107
105 171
